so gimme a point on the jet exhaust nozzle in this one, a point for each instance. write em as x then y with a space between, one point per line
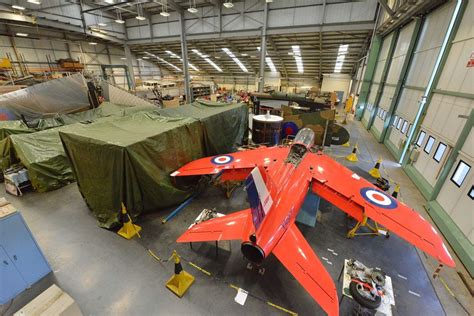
252 252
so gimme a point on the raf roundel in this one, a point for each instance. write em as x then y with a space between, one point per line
378 198
222 160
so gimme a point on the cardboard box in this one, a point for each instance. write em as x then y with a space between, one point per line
52 302
171 103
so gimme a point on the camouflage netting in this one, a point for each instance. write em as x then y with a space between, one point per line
129 159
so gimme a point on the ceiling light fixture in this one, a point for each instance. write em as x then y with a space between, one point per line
34 1
119 19
140 16
298 58
92 43
123 58
100 20
164 11
22 34
109 1
18 7
235 59
210 62
228 4
192 6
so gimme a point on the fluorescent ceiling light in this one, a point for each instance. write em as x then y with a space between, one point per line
123 58
228 4
146 57
164 13
163 61
92 43
210 62
192 10
179 57
119 21
270 64
235 59
268 1
18 7
22 34
109 1
140 17
341 55
244 54
34 1
298 58
102 24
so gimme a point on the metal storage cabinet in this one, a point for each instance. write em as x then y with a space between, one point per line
21 261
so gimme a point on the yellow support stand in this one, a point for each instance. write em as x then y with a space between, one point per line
129 229
180 282
375 230
348 144
396 190
375 171
353 155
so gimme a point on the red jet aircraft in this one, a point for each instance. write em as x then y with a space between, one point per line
277 181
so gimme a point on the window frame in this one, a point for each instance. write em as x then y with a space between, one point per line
409 128
405 124
437 148
394 123
434 141
456 169
418 139
399 124
471 192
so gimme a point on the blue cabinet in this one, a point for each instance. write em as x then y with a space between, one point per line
21 261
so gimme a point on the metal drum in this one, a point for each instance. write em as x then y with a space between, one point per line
266 129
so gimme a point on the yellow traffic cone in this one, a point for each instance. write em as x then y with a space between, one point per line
348 144
129 229
375 171
352 156
396 190
180 282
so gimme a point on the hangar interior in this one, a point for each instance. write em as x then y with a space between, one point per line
207 157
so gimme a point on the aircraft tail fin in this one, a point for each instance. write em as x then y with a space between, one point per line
258 186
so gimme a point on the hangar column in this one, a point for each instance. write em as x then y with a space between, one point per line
263 49
184 54
131 74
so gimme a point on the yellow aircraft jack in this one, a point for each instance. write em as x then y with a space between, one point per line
129 229
374 229
181 281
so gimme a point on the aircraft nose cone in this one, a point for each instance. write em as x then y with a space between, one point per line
252 252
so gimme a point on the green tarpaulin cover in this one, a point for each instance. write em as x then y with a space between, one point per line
129 159
42 153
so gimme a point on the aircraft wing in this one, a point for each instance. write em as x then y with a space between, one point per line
296 255
356 196
233 226
247 159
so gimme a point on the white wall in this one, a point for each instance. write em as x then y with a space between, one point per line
336 82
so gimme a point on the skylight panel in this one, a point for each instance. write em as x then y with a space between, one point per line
206 58
235 59
298 58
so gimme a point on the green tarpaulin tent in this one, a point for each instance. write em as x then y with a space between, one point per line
129 159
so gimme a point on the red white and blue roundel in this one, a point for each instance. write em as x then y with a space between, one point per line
222 160
378 198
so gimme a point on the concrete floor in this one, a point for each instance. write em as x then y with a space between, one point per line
108 275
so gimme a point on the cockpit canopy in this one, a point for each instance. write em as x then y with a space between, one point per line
305 137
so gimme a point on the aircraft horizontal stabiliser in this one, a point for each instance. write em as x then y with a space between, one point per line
277 181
